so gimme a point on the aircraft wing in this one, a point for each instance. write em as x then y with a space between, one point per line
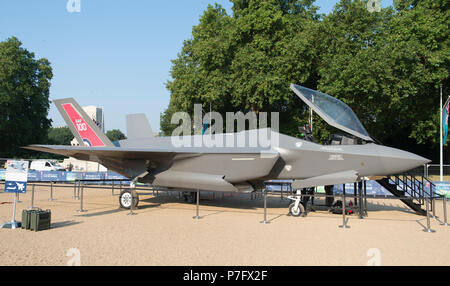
140 153
86 153
133 162
328 179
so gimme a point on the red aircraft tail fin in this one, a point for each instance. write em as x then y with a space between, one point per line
81 125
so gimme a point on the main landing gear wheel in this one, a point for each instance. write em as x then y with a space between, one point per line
125 200
300 210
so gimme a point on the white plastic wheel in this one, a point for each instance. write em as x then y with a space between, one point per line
296 211
125 200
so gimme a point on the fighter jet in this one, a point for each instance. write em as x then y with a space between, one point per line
20 186
156 161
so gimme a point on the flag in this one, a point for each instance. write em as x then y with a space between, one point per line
445 112
205 126
310 118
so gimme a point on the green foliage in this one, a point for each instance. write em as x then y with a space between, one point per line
387 66
115 135
24 98
59 136
246 61
165 120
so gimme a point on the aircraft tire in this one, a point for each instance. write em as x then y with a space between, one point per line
125 200
298 212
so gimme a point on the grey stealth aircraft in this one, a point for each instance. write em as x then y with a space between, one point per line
155 160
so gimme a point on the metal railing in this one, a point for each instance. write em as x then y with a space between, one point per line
414 187
361 207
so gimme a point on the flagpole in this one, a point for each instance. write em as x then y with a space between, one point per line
441 147
312 113
210 122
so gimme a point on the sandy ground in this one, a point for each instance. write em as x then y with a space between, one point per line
163 232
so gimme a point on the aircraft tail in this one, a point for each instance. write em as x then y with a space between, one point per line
138 127
82 126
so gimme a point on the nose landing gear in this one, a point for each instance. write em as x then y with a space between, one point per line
296 208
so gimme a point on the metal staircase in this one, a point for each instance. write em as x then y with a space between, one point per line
414 190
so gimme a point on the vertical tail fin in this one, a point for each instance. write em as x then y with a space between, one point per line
138 127
81 125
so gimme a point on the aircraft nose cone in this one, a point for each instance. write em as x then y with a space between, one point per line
397 161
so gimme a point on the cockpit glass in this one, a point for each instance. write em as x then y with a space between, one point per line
333 111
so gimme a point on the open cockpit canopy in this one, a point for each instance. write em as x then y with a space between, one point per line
333 111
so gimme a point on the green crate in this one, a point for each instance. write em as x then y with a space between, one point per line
40 220
26 214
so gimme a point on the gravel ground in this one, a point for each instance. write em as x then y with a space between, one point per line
163 232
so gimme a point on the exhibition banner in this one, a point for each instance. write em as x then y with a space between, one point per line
94 176
373 188
445 115
443 188
63 176
52 176
34 176
16 176
73 176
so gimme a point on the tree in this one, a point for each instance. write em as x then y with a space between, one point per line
388 66
422 29
24 98
115 135
245 62
60 136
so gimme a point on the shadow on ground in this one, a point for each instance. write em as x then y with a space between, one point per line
244 201
64 224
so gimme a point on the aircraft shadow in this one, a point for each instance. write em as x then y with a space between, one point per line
239 202
143 207
371 206
244 201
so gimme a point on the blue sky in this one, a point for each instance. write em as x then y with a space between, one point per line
114 54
